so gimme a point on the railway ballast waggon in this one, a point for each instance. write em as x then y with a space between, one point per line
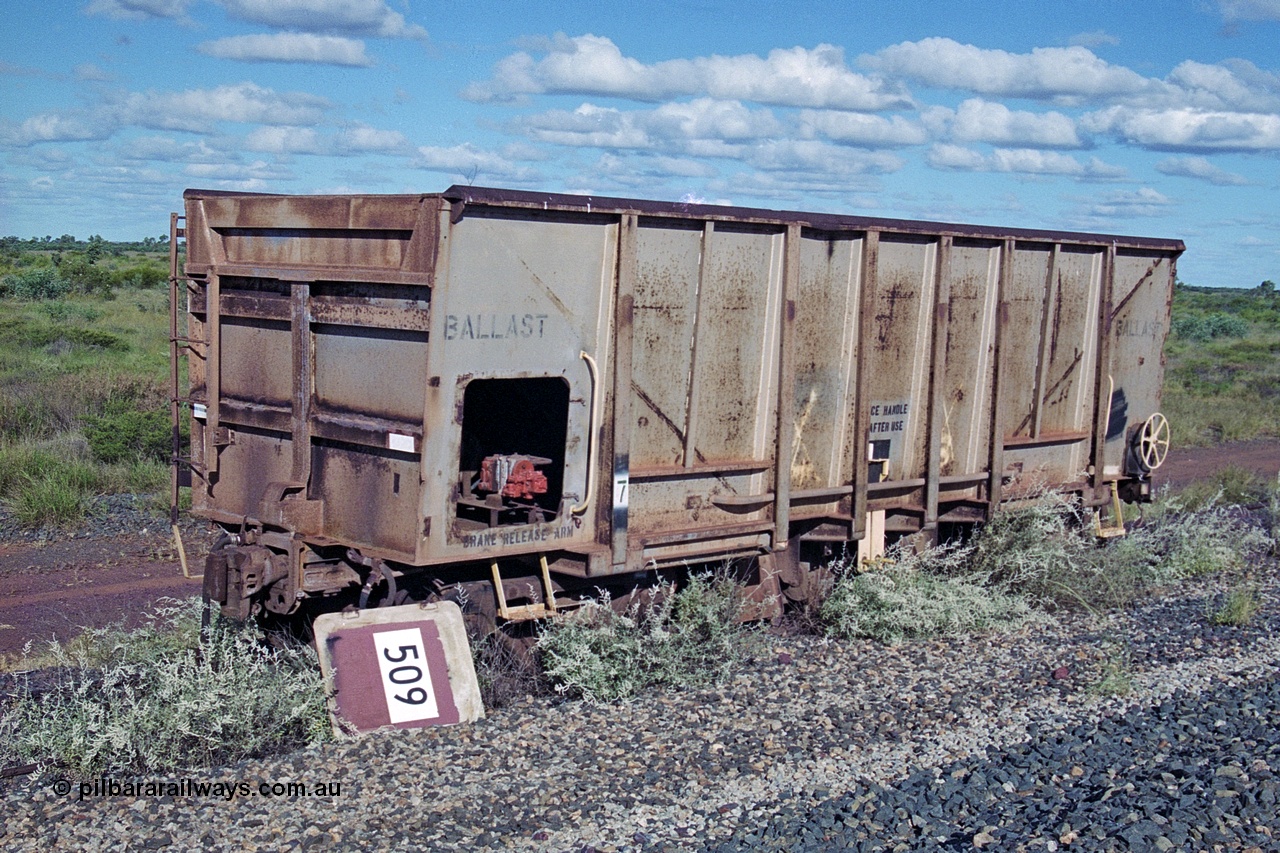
512 398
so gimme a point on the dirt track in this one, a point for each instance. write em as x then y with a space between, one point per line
1261 456
57 588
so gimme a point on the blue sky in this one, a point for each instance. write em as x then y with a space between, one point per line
1154 119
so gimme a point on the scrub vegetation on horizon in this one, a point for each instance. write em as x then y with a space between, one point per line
83 374
1222 376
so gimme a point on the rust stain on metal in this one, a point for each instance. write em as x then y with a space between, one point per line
1150 271
671 425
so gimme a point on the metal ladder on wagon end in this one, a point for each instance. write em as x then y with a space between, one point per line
180 346
525 612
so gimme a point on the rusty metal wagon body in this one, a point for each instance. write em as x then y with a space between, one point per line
459 385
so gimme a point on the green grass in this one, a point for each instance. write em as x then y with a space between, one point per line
1238 607
1222 378
117 701
53 482
1115 674
1230 485
58 498
83 401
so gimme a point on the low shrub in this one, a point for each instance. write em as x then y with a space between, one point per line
1176 543
934 592
84 275
1040 555
505 670
64 312
155 699
1209 326
55 482
21 461
1042 548
59 337
21 419
135 477
48 483
122 433
140 276
666 637
35 283
1115 672
1272 514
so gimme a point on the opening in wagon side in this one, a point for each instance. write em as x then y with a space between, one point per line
512 459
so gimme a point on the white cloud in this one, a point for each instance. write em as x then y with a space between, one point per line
347 17
705 118
169 150
871 131
53 127
364 139
681 167
588 125
681 123
956 158
594 65
1141 202
1250 10
795 189
90 73
642 170
1188 129
251 185
289 47
1238 86
257 171
470 163
1045 72
193 110
1200 169
124 179
285 140
138 9
978 120
1033 162
1024 161
1097 38
199 110
818 158
45 159
359 139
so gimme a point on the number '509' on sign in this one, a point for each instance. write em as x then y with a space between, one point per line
406 679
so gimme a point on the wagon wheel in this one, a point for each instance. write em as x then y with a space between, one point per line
1153 442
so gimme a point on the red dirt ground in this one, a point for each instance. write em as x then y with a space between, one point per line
1184 466
55 589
